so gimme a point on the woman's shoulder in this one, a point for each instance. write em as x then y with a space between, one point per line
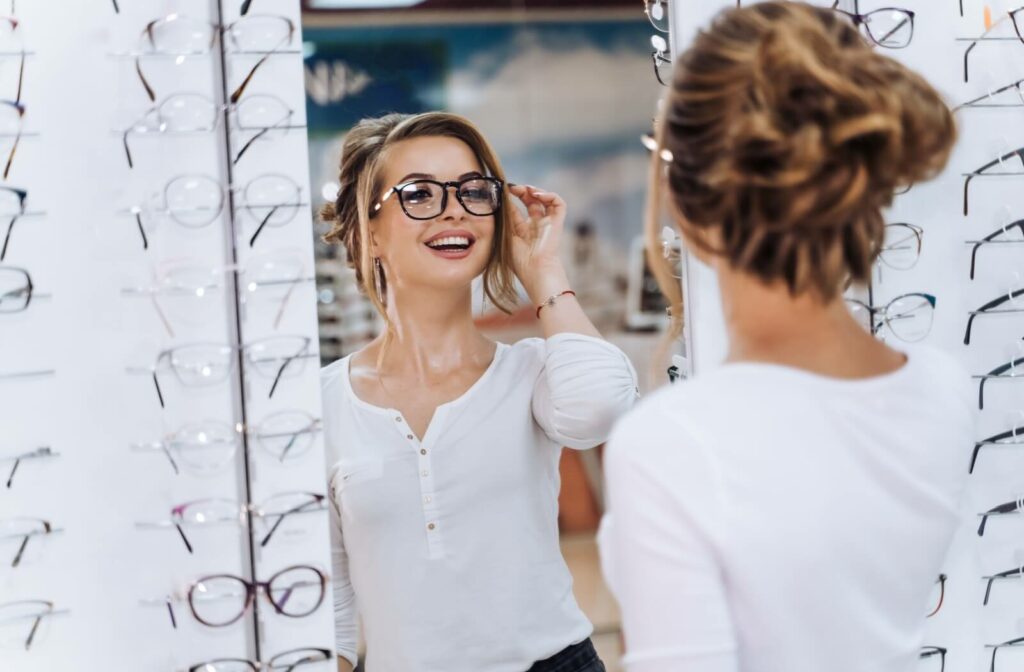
332 376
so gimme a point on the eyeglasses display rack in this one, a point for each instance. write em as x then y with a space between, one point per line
953 261
162 501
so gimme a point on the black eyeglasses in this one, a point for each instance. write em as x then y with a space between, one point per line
931 652
287 661
909 317
660 56
427 199
1002 510
989 309
889 27
1012 437
994 239
39 453
1016 16
1014 573
17 290
995 648
24 529
1004 371
180 35
657 14
980 172
978 102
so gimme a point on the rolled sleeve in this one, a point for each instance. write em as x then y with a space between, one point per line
585 385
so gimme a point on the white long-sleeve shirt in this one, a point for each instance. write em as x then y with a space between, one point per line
765 519
448 547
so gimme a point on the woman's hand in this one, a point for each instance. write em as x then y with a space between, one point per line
536 236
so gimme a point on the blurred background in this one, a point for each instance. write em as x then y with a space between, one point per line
563 90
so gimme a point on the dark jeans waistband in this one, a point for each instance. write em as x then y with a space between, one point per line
580 657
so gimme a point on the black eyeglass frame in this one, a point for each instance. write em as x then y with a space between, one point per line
496 184
986 309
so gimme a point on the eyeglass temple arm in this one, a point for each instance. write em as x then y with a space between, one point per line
170 458
127 150
142 230
184 537
10 477
280 519
280 372
21 551
259 229
117 10
156 384
7 237
981 394
295 437
32 633
248 3
142 76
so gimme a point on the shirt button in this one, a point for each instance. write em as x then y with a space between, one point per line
430 526
398 419
409 436
423 451
428 499
424 473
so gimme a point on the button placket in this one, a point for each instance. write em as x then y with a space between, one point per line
431 526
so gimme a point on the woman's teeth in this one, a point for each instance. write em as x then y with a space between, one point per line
458 242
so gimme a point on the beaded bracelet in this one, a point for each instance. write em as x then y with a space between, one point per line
550 301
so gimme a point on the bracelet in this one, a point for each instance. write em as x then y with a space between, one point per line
550 301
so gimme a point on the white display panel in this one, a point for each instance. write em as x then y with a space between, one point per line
119 299
963 625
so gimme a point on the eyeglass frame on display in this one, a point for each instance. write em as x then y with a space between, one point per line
660 56
39 453
38 618
1015 573
137 210
929 651
47 526
987 310
873 310
315 426
216 30
942 595
980 172
245 512
917 234
861 21
28 289
217 109
1012 15
270 665
165 354
990 239
973 104
1009 508
252 588
647 12
995 440
998 372
995 647
456 184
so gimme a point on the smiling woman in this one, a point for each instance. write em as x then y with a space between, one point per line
442 445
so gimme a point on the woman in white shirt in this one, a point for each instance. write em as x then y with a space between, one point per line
443 446
789 511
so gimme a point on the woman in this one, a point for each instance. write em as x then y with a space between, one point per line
789 510
443 446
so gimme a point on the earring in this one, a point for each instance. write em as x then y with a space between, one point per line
378 279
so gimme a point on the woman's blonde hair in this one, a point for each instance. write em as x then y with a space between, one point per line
363 158
788 135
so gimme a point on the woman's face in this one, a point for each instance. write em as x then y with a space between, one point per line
449 249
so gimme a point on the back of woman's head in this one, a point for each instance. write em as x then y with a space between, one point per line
789 134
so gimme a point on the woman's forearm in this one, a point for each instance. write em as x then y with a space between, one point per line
565 315
344 665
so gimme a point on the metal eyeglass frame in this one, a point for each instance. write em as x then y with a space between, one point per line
996 440
861 22
1015 573
992 239
876 325
314 655
977 104
215 30
1016 506
45 528
26 291
999 372
47 610
138 129
497 184
315 502
1012 16
39 453
980 172
987 309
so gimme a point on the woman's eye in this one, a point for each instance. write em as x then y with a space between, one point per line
475 194
418 194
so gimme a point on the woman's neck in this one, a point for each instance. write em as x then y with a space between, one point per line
433 333
766 323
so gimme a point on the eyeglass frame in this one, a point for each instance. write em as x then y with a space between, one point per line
39 453
980 172
456 184
873 310
995 647
929 651
29 289
991 239
47 528
942 594
49 611
987 310
973 103
1015 506
1015 573
647 11
918 236
998 372
217 110
861 20
1012 15
22 195
270 665
995 440
216 30
252 588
